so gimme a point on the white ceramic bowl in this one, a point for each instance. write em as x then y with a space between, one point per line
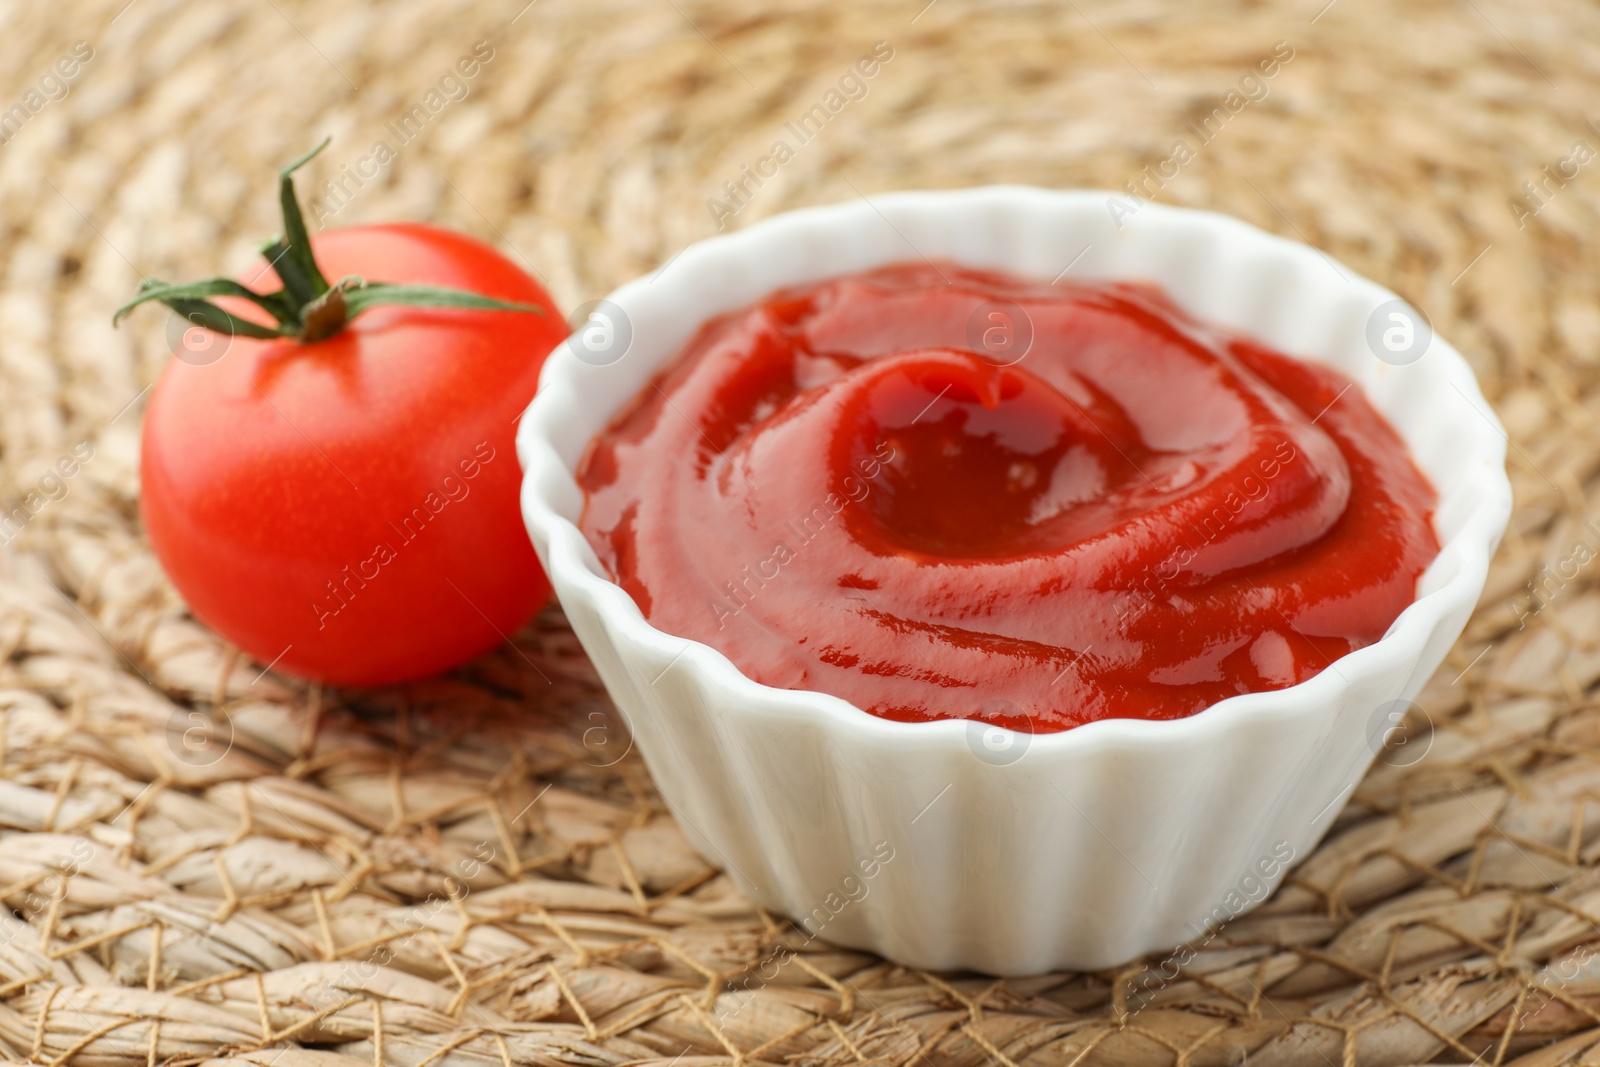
1101 843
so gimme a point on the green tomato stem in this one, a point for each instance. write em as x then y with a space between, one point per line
307 308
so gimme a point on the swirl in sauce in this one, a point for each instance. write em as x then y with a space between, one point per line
1139 517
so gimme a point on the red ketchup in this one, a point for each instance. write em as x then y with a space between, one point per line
1129 514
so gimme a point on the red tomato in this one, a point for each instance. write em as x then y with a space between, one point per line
348 509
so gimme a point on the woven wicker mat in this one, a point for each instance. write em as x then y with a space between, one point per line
202 859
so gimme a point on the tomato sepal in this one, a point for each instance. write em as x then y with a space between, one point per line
307 308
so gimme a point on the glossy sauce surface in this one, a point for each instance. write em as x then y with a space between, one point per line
942 493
